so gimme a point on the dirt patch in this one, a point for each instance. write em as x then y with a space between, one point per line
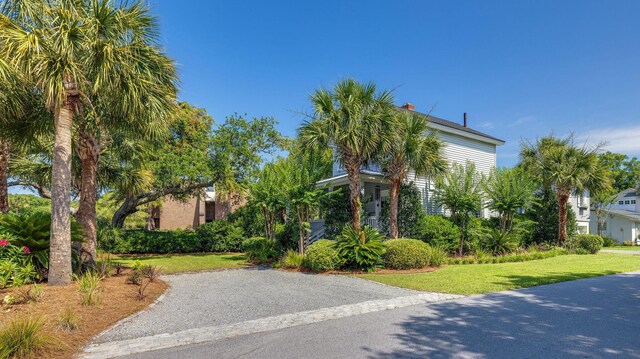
119 300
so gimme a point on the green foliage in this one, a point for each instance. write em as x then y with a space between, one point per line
30 294
498 241
361 250
624 171
336 212
28 203
220 236
627 243
16 267
89 288
437 256
24 338
260 249
292 260
544 213
460 192
589 243
249 218
269 193
410 212
322 256
107 205
405 253
608 242
440 232
112 240
510 258
508 190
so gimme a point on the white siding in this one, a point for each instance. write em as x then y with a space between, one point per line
618 228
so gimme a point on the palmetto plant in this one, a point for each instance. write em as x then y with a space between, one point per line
355 119
508 189
498 241
567 168
413 148
83 57
361 249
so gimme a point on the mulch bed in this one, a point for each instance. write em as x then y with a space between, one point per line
119 300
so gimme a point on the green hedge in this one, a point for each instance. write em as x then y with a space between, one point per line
405 253
261 250
322 256
585 243
219 236
509 258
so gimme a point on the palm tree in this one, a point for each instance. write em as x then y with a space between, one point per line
413 147
507 190
357 121
459 191
69 54
566 168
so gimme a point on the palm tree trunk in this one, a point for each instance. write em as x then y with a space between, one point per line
86 215
4 177
353 173
60 246
394 193
562 198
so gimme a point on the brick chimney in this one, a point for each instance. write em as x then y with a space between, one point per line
409 106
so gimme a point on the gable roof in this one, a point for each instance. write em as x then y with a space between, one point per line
633 216
452 125
629 192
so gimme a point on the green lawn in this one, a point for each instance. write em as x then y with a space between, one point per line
485 278
176 263
624 248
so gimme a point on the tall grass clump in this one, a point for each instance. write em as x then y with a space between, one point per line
89 288
24 338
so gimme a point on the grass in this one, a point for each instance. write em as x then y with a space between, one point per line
24 337
485 278
176 263
624 248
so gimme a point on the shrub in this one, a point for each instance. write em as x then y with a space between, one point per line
220 236
67 320
322 256
608 242
437 256
440 232
361 250
261 249
16 267
24 338
590 243
499 242
627 243
157 242
291 259
406 254
526 256
89 288
104 267
410 211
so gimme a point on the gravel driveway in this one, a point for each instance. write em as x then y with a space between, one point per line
216 298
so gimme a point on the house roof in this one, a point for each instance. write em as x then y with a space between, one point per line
634 216
452 125
629 192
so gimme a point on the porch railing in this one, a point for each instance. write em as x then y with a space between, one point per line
371 222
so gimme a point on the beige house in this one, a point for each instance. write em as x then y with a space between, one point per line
175 214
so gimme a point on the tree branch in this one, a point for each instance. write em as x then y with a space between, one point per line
42 190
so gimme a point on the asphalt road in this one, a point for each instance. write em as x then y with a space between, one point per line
591 318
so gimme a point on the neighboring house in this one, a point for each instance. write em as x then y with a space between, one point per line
580 206
623 222
461 144
189 214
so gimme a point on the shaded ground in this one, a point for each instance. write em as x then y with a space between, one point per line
176 263
591 318
215 298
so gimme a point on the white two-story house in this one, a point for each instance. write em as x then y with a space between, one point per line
623 219
461 144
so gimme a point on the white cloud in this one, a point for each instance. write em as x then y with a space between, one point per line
521 121
620 139
487 125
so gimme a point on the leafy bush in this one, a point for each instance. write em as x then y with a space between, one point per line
590 243
410 212
291 259
24 338
248 217
499 242
523 257
439 232
608 242
361 250
32 230
16 266
544 213
220 236
322 256
261 250
627 243
437 256
138 241
406 254
336 212
89 288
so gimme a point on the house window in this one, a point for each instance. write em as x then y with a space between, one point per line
620 202
626 202
604 226
581 212
633 201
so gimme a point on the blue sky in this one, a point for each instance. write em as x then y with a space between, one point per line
520 69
